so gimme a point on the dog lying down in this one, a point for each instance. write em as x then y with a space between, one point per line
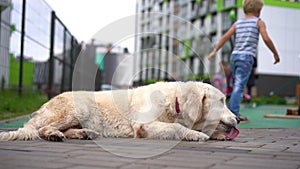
192 111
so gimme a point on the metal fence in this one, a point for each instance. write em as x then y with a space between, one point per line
64 50
42 39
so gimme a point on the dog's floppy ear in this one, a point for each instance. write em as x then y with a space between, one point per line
192 99
214 109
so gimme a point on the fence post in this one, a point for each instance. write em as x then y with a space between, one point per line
62 85
72 61
51 58
22 48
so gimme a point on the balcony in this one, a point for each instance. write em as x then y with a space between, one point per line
202 30
202 11
203 7
213 7
229 3
4 4
213 28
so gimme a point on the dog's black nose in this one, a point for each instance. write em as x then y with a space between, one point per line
238 120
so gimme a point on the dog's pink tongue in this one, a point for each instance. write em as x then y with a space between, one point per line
234 132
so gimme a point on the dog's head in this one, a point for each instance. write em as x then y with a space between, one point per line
226 128
213 116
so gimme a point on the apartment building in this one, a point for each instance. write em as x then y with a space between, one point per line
5 30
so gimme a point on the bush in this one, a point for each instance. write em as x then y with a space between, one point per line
269 100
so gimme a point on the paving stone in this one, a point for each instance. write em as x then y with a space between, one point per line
245 155
275 147
95 153
27 159
173 167
94 163
81 167
106 158
294 149
187 153
142 166
179 163
287 157
263 163
231 166
13 166
22 163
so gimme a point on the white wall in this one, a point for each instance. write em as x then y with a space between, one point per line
283 25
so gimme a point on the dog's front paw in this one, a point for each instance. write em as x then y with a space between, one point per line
218 136
193 135
55 136
90 134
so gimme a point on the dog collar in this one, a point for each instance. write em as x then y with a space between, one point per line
177 107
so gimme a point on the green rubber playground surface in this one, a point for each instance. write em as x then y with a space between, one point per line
14 123
256 116
257 119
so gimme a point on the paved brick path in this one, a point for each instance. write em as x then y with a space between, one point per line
254 148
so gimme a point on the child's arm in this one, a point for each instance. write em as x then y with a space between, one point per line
267 40
221 42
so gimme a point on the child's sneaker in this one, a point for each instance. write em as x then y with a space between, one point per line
243 118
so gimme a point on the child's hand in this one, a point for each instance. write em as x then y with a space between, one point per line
212 55
277 60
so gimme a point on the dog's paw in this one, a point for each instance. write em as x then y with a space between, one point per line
193 135
90 134
55 136
219 137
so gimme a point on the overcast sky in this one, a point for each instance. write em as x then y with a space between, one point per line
86 17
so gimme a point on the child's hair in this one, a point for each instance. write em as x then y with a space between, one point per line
252 6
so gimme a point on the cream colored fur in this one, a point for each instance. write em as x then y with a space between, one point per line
143 112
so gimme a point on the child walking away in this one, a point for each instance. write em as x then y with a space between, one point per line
247 32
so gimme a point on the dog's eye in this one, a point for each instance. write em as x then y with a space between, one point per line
222 100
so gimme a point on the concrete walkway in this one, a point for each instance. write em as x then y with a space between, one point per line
254 148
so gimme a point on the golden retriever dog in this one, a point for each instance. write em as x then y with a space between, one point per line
192 111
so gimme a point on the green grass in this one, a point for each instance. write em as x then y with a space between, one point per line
12 105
